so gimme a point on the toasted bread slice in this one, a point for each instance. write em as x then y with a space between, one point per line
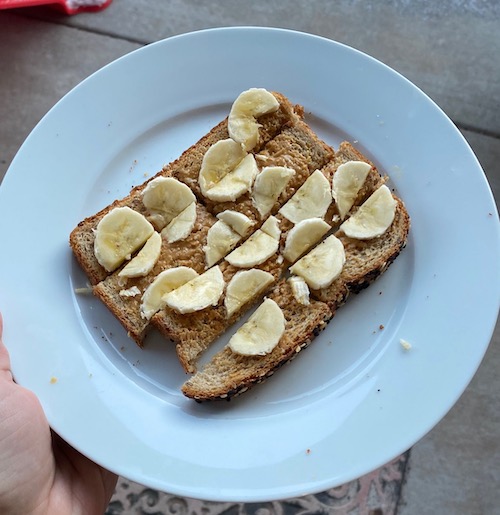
229 374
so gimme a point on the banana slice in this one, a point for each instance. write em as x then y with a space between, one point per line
242 124
272 227
346 183
303 236
118 235
244 286
221 239
300 289
261 333
166 198
311 200
227 171
373 217
322 265
258 248
181 226
237 221
165 282
145 260
268 186
235 183
199 293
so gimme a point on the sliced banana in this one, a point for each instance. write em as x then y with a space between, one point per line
235 183
181 226
303 236
165 282
166 198
145 259
311 200
272 227
261 333
268 186
242 122
322 265
346 183
199 293
221 239
244 286
300 289
118 235
373 217
228 162
258 248
239 222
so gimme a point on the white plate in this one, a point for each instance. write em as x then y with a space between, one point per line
355 399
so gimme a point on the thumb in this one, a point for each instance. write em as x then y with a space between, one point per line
4 355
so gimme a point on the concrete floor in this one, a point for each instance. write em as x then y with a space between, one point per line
449 49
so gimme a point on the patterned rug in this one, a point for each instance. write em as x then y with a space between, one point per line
377 493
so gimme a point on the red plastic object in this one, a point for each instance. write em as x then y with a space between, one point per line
67 6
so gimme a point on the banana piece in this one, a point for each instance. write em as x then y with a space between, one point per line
261 333
199 293
346 183
259 247
272 227
239 222
300 289
268 186
311 200
373 217
165 282
242 124
166 197
227 171
145 259
118 235
303 236
244 286
235 183
322 265
221 239
181 226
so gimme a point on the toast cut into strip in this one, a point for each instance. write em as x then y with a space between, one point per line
229 374
193 333
366 260
188 252
186 169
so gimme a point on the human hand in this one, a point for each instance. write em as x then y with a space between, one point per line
40 473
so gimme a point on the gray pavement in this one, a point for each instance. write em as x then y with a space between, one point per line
449 49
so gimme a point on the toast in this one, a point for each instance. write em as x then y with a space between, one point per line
284 141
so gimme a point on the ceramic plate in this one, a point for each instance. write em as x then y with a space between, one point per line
355 399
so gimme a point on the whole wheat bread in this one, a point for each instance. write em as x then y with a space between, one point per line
285 140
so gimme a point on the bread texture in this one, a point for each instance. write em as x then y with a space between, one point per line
285 140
